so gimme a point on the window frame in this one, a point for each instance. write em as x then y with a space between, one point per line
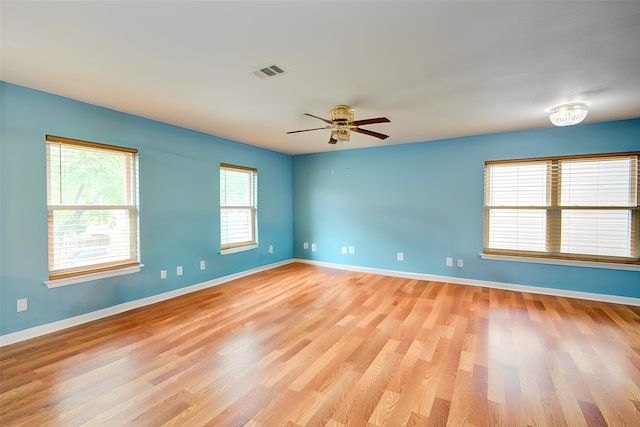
553 213
96 270
252 243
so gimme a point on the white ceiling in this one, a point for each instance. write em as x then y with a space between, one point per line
436 69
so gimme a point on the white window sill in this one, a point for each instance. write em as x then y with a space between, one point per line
565 262
92 276
238 249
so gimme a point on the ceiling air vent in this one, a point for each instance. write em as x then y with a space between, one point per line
269 71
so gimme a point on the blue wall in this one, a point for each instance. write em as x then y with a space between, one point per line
426 200
423 199
179 205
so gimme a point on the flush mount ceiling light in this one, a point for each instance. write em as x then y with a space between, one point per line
568 114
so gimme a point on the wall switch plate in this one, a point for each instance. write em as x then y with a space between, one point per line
460 263
305 245
21 305
343 250
313 247
449 262
270 249
203 265
400 256
352 250
179 270
163 274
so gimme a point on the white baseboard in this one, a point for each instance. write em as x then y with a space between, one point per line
120 308
485 283
48 328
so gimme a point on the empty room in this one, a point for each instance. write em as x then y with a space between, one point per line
319 213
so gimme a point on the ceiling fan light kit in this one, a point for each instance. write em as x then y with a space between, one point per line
568 114
342 123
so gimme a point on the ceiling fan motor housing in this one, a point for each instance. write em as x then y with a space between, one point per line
342 113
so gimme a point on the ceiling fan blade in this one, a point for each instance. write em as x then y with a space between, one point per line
370 133
332 140
319 118
307 130
370 121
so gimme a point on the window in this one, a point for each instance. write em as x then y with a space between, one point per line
573 207
92 204
238 207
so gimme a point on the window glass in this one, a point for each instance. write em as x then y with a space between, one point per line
522 230
92 205
238 206
597 182
518 185
574 207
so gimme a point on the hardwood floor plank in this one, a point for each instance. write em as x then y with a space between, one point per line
381 415
310 346
439 414
460 409
333 396
592 414
359 404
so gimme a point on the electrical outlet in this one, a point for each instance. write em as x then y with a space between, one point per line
163 274
21 304
343 250
313 247
460 263
270 249
449 262
400 256
179 270
305 245
203 265
352 250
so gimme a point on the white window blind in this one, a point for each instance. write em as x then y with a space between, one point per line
238 206
572 207
92 203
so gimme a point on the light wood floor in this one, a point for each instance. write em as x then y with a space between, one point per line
306 346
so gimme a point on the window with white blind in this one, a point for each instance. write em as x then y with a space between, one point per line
571 207
92 198
238 207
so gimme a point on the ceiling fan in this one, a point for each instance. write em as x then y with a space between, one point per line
342 124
